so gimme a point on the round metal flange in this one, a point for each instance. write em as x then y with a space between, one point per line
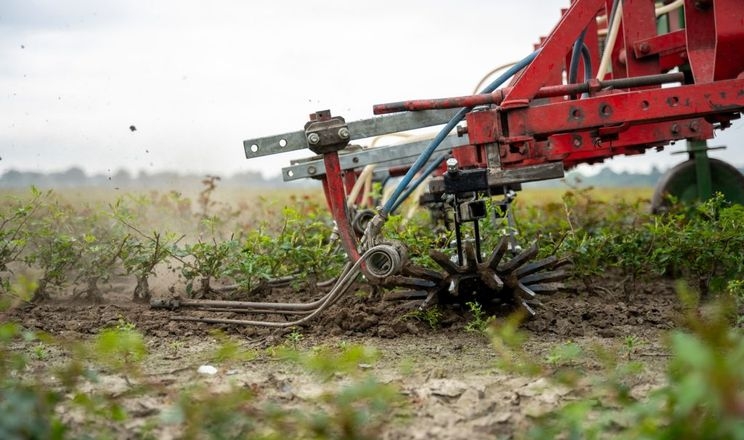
361 219
383 261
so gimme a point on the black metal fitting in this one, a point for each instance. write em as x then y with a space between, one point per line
466 181
326 133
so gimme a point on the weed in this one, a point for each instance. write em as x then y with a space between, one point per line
631 344
564 354
229 350
40 351
293 338
479 319
430 315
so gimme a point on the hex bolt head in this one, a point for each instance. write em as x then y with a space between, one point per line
313 138
311 170
452 165
343 133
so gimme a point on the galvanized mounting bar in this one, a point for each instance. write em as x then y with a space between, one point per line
393 155
361 129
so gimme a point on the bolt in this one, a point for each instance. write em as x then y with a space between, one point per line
343 133
577 141
675 128
452 165
694 126
461 131
311 170
644 47
313 138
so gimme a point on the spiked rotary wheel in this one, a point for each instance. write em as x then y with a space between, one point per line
518 280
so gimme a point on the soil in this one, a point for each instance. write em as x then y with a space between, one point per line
449 377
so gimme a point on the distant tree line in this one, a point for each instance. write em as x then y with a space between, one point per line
76 177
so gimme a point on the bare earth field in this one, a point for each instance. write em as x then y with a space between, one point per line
452 382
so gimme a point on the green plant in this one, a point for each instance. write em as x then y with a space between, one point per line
229 350
99 253
143 252
735 289
54 248
430 315
564 354
293 338
479 319
27 408
121 348
15 216
207 261
631 344
702 397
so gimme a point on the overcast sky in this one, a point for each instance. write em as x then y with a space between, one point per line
196 78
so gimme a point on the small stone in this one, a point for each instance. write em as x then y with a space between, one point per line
207 369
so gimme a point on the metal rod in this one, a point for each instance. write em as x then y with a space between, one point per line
497 96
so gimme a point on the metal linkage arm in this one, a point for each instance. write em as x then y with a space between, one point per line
361 129
393 155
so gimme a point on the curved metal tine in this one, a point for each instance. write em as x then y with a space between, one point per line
343 284
498 253
422 272
430 296
257 311
405 295
544 277
245 305
536 266
443 260
491 279
262 305
527 307
351 272
546 288
410 282
520 259
521 288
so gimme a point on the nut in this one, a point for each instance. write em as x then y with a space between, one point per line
343 133
313 138
452 165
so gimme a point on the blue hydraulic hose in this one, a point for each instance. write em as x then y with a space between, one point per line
573 66
430 169
587 57
426 154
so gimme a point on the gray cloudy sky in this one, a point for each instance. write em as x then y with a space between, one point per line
196 78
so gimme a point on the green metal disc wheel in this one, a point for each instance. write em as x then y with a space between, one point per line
681 182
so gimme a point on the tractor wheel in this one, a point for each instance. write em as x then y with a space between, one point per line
681 182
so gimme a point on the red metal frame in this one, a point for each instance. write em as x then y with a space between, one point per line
333 187
538 119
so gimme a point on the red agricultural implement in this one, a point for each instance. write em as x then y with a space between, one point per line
612 78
